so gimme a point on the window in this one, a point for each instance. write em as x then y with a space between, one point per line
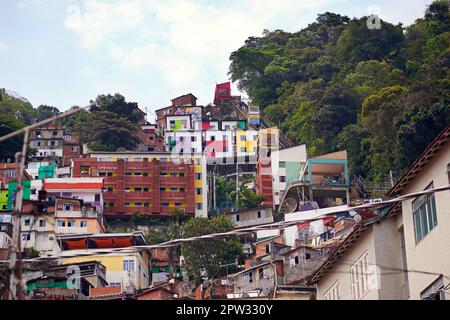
128 265
26 222
102 174
424 213
97 197
268 248
181 174
128 173
182 189
111 204
332 293
146 189
243 138
359 277
138 204
178 204
138 189
60 223
83 224
110 174
68 207
237 217
127 204
435 291
33 191
263 273
55 133
282 178
293 261
243 149
138 174
146 204
74 149
26 236
71 223
198 176
193 139
199 206
41 223
448 172
282 164
165 204
198 191
259 214
114 284
213 138
248 277
162 189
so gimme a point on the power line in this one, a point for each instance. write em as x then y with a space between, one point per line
308 217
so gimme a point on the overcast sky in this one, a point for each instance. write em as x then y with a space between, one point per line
66 52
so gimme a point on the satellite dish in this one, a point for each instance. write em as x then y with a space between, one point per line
357 218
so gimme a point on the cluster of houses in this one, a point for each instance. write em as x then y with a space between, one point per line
71 194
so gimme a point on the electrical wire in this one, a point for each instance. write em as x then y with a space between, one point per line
314 216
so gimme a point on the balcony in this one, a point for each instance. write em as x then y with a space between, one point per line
109 195
127 211
173 195
107 165
75 214
71 230
138 195
138 165
138 180
167 180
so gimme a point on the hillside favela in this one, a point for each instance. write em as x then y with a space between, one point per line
314 166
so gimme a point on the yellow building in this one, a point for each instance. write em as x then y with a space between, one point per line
129 269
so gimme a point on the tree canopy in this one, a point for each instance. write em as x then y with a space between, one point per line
337 84
206 258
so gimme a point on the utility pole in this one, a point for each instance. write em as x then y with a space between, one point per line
237 183
16 286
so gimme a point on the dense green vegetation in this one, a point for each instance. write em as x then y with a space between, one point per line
209 257
382 94
109 123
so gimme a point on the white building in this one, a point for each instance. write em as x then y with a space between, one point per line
286 164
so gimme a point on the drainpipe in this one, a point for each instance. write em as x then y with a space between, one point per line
275 278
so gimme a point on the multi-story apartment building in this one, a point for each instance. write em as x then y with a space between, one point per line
71 148
42 221
148 183
49 142
73 216
150 141
53 143
88 189
128 270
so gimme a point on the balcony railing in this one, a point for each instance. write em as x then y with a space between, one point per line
173 195
172 180
143 180
138 195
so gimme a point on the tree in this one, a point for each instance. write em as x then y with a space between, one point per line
248 199
166 233
107 131
44 112
116 104
417 127
8 148
205 257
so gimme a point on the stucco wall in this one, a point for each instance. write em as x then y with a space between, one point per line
432 253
